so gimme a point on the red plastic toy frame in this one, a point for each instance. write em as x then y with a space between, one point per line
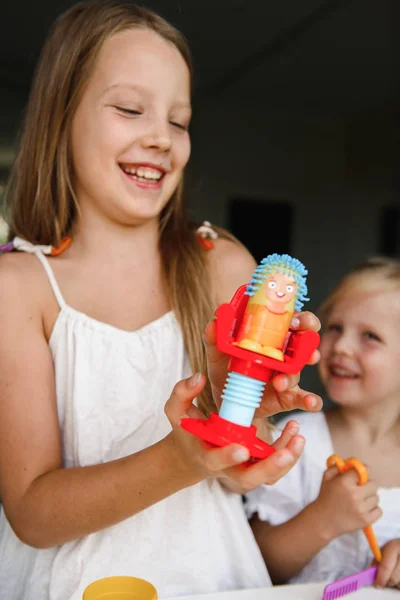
298 349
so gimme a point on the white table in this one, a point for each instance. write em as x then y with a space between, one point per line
296 592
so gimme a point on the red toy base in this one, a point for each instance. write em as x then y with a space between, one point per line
220 432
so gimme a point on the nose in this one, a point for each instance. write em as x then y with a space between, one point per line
157 135
281 290
343 345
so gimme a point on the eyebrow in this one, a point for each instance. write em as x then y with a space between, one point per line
138 88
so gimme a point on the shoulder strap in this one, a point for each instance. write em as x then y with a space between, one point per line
52 279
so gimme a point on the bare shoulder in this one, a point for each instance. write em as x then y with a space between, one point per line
18 264
231 265
20 277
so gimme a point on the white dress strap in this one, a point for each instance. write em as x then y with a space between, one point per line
52 279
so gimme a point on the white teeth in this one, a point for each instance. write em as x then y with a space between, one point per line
342 372
128 169
144 173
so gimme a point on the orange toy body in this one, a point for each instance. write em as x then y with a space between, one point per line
264 326
268 314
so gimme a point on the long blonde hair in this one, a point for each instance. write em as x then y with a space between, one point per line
43 207
374 270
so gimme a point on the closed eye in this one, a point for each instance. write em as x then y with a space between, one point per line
128 111
178 125
334 327
368 335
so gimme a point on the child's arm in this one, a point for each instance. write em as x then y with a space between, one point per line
341 507
389 569
289 547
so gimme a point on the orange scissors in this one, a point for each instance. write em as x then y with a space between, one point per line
361 470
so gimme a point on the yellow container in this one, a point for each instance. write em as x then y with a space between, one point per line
120 588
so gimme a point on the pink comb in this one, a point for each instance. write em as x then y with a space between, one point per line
349 584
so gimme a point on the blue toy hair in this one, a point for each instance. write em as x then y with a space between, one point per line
281 263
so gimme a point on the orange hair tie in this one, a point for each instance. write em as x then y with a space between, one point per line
65 243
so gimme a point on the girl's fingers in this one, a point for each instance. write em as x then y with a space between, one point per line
283 382
287 389
371 502
394 580
305 320
386 569
221 459
271 469
296 398
290 430
180 403
331 473
314 358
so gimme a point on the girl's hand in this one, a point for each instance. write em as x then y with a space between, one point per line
289 445
389 568
198 461
283 394
343 505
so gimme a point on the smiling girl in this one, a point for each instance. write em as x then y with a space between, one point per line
103 305
318 516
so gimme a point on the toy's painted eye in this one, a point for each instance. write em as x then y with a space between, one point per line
289 288
272 284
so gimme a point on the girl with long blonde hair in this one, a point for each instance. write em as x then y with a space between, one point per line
103 305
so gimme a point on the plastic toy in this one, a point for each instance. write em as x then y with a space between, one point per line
250 329
346 585
120 588
362 472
